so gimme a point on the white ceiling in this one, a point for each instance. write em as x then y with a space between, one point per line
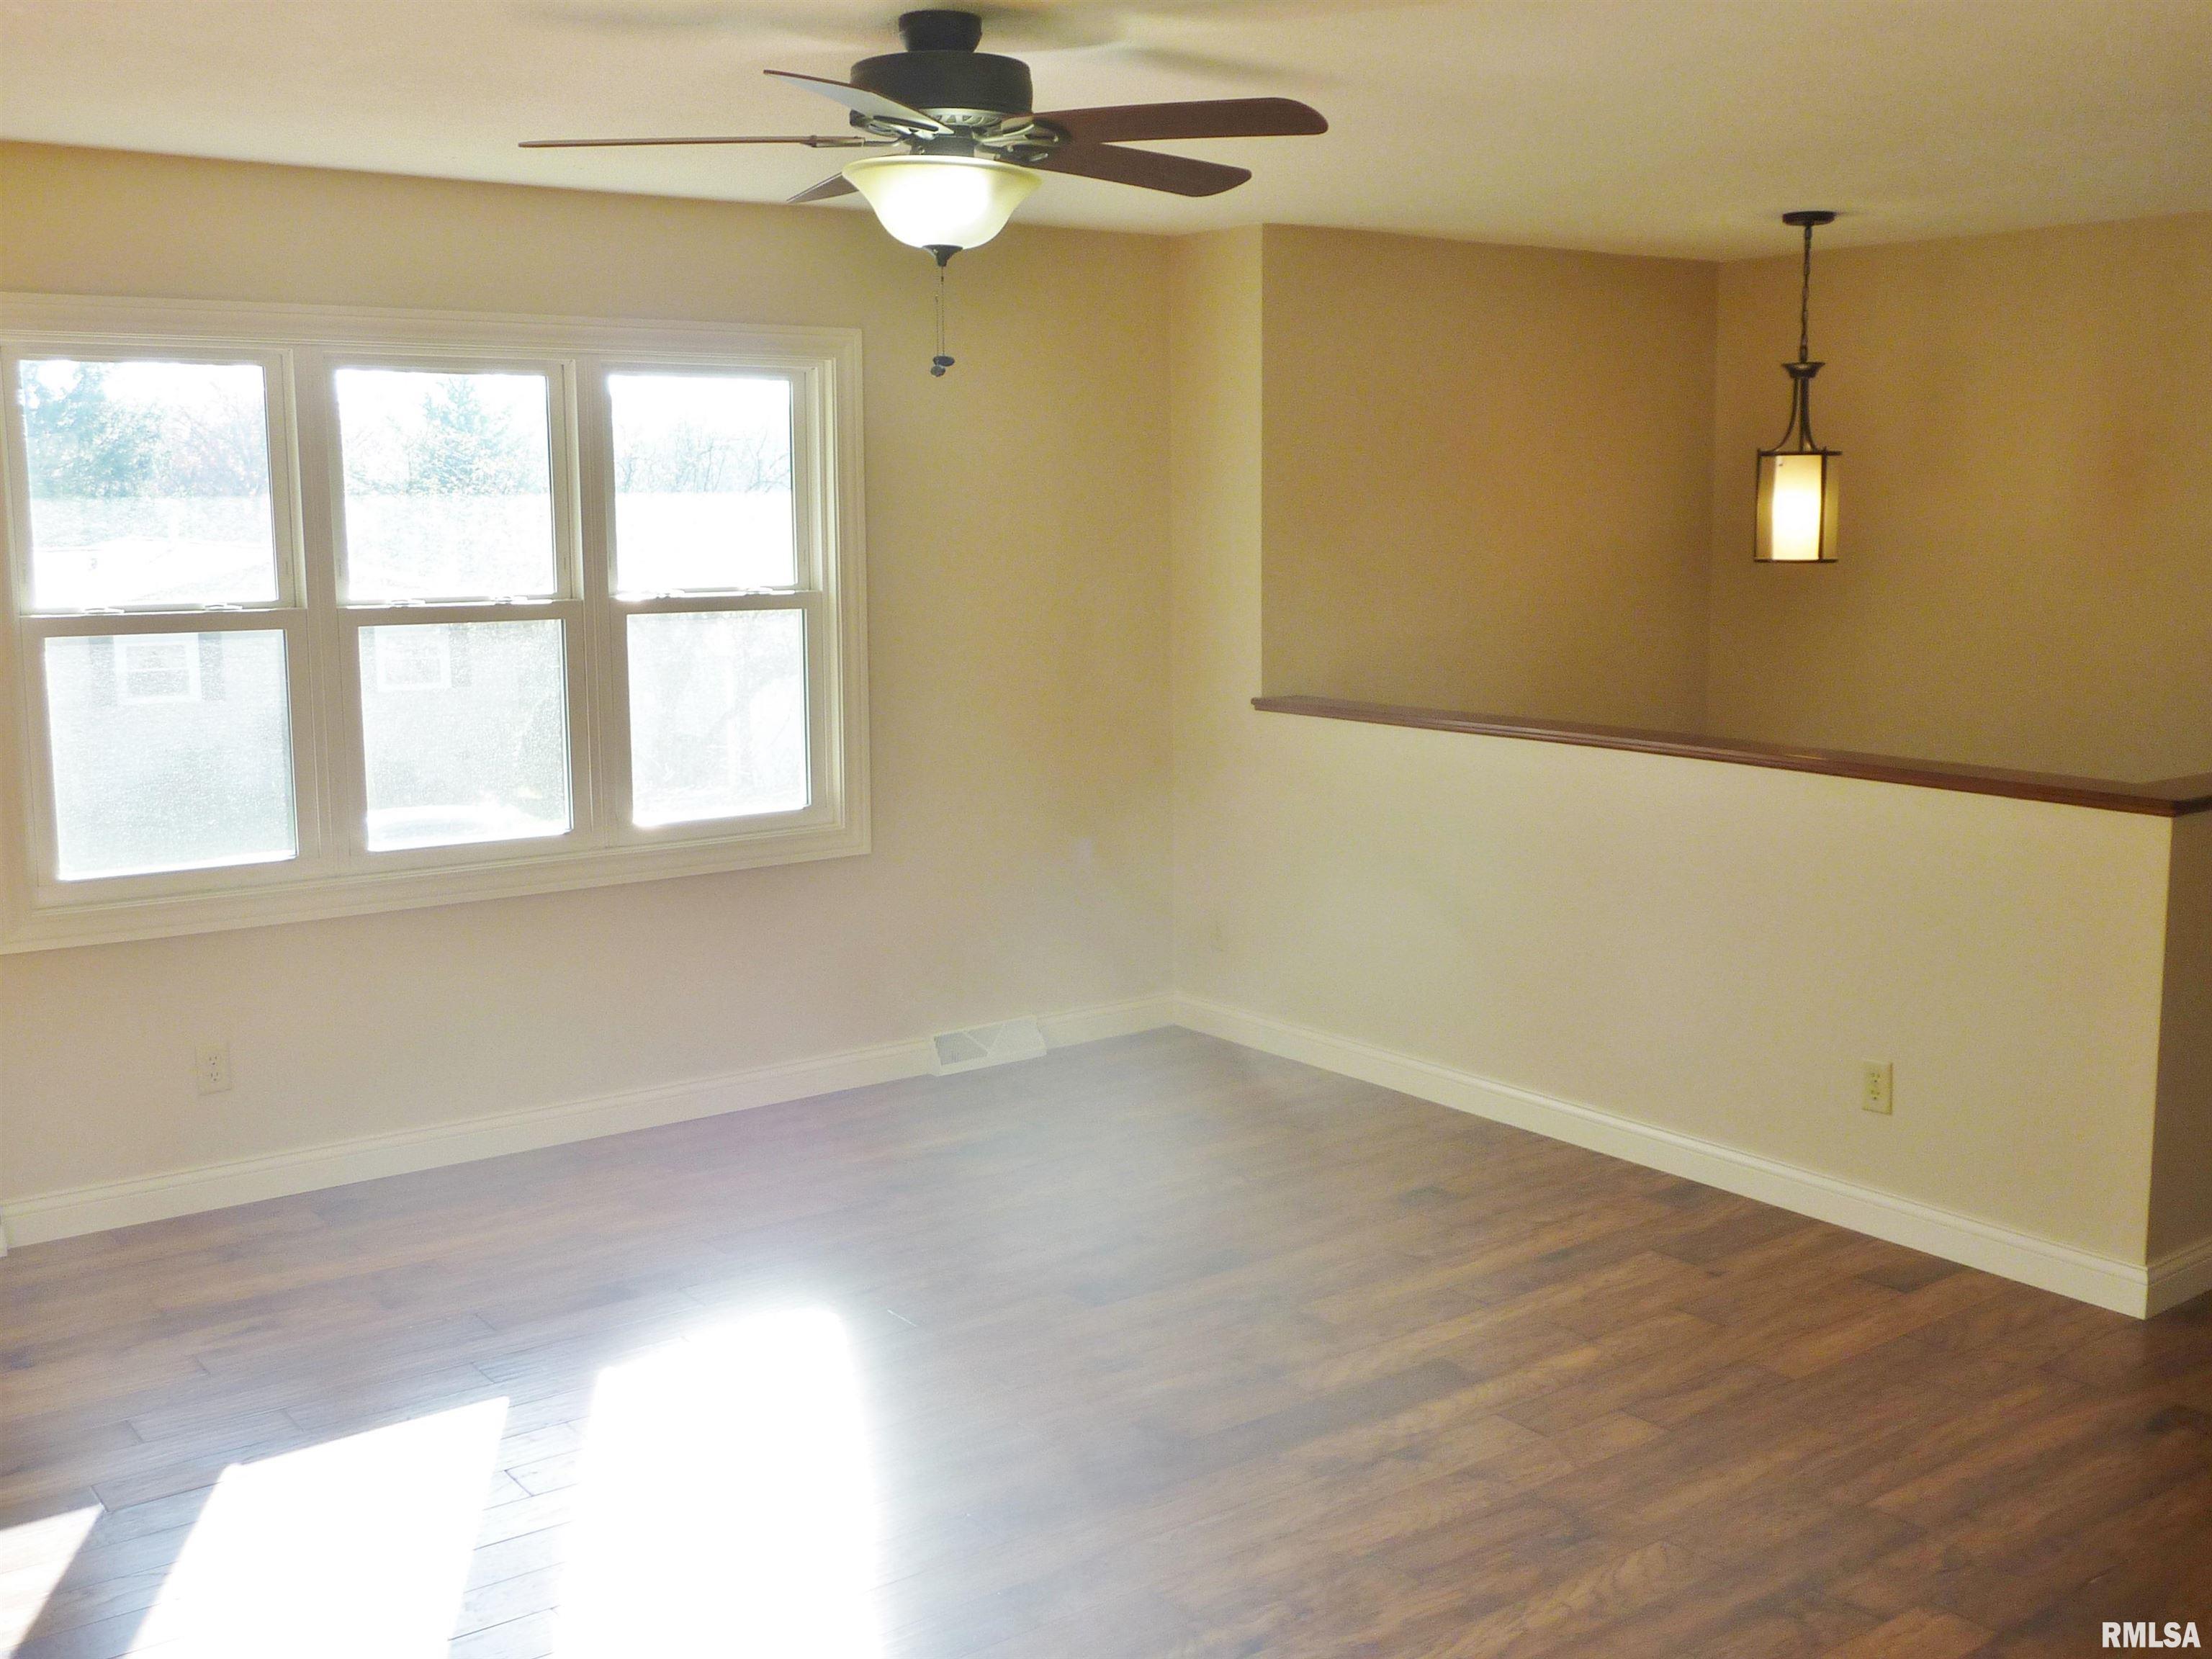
1663 126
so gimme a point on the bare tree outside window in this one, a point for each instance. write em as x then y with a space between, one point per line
448 485
149 483
703 482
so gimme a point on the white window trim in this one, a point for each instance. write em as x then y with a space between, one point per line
332 875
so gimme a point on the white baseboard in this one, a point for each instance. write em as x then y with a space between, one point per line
2181 1277
1109 1019
2107 1282
71 1210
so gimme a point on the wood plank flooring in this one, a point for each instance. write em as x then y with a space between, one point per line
1152 1347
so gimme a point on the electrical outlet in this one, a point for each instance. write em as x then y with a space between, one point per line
212 1068
1877 1087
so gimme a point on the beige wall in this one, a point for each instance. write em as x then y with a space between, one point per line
2026 569
1486 477
1701 948
1705 949
1018 636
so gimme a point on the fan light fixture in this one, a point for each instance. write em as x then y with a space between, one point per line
942 203
1797 478
970 142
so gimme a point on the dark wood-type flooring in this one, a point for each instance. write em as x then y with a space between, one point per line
1162 1347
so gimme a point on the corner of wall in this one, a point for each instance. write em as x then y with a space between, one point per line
2181 1143
1703 695
1488 482
1213 533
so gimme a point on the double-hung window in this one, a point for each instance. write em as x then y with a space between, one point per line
311 612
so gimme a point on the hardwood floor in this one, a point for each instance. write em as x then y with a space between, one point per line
1153 1347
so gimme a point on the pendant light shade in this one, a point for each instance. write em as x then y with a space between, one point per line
1796 507
1798 478
942 201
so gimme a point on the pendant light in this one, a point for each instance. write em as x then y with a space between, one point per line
1797 478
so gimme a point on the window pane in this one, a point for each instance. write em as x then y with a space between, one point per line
717 715
448 491
464 728
149 485
703 482
171 751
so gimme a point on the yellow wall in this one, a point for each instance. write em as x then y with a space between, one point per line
1216 446
1518 481
2026 569
1018 640
1486 477
1704 949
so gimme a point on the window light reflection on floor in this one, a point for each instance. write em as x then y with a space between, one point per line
35 1558
726 1505
353 1549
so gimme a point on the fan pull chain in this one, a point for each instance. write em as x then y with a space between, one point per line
940 362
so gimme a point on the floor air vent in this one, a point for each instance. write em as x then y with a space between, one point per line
988 1045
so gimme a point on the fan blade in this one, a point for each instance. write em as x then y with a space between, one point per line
1209 117
862 101
810 142
1147 169
834 184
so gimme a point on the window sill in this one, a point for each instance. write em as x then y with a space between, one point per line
35 927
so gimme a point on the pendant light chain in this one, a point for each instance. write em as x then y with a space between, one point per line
1799 436
940 362
1802 417
1805 302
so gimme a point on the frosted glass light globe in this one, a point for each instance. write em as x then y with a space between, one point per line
941 201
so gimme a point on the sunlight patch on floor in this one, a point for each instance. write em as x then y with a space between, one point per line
726 1504
358 1547
33 1557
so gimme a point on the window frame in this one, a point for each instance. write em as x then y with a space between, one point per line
299 348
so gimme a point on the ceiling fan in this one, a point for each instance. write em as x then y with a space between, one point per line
964 148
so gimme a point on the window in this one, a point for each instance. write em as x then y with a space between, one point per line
311 612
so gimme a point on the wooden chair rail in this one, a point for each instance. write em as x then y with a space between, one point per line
2171 798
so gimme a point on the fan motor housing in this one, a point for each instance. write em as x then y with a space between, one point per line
950 84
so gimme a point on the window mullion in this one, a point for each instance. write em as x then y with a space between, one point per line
63 624
811 458
398 615
604 663
565 456
699 605
336 747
